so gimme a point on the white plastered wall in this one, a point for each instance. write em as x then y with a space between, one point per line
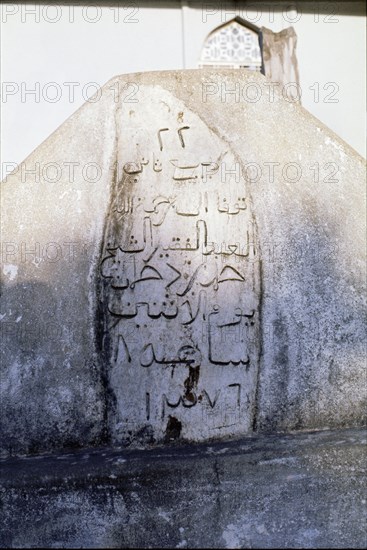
73 46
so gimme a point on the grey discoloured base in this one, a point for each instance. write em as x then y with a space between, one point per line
285 491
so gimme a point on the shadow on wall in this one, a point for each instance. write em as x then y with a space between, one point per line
55 393
313 323
52 395
312 369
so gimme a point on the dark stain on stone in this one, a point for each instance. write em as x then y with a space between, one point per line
102 336
173 429
260 356
144 436
191 383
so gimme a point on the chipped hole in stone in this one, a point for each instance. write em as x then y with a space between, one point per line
173 429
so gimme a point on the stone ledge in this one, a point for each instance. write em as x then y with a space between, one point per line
304 490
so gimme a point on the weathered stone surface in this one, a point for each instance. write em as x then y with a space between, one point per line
52 381
294 491
215 284
181 281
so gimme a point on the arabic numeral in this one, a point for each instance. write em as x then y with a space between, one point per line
316 172
128 98
329 98
334 170
335 89
316 91
115 89
316 15
329 18
129 18
130 333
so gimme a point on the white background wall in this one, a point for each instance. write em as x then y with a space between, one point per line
89 43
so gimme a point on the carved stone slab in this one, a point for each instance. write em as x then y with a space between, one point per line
181 281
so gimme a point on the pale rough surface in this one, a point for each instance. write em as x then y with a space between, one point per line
181 279
300 365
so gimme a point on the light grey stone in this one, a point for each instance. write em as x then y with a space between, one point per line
212 168
181 284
